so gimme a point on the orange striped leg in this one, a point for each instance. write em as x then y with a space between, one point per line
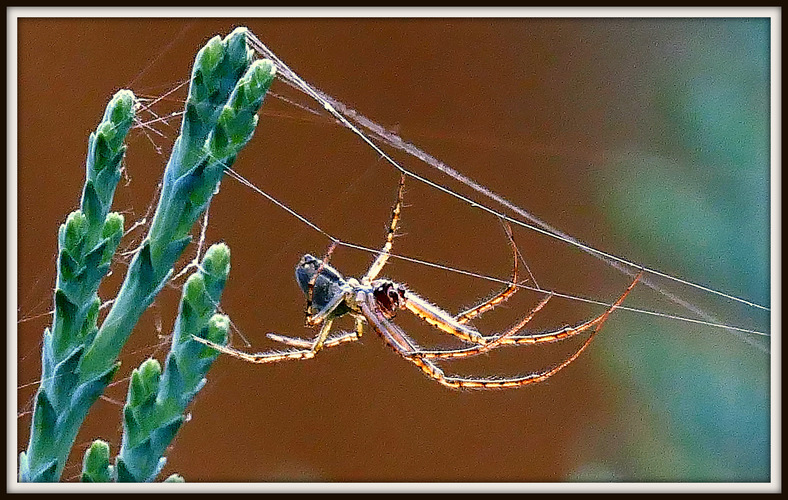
441 319
508 338
341 338
380 261
456 325
492 342
311 293
571 331
273 356
482 308
407 348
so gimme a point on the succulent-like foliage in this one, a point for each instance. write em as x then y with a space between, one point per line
86 244
216 125
157 399
79 358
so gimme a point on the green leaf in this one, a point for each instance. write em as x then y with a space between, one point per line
91 204
123 475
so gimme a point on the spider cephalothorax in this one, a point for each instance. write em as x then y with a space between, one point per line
376 301
389 297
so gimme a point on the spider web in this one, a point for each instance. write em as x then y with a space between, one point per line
352 120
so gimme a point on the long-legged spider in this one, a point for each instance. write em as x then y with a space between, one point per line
377 300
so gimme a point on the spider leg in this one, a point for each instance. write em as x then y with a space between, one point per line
341 338
441 319
397 339
407 348
311 288
273 356
309 349
456 325
491 303
381 259
320 316
508 337
570 331
493 342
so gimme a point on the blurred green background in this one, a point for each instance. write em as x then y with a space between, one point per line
695 194
646 138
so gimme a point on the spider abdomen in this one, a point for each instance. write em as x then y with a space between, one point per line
327 285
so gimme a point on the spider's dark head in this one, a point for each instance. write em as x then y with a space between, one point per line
327 284
389 296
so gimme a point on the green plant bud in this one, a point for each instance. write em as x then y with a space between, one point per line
112 225
258 80
209 57
218 328
144 382
121 113
95 465
194 290
216 261
236 44
75 229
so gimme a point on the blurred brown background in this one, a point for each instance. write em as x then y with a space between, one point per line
540 111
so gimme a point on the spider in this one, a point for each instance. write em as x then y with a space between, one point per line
376 301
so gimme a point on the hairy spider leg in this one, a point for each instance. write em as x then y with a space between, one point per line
456 325
509 337
273 356
569 331
324 317
491 303
441 319
333 341
407 348
382 258
341 338
491 342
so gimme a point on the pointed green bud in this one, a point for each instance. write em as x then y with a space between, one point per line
112 225
194 291
75 228
144 383
236 45
258 79
218 329
120 113
112 231
209 57
216 262
95 465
